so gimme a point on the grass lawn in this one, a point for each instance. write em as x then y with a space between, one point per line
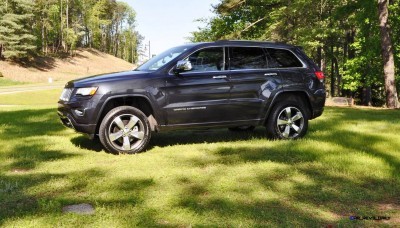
44 97
347 165
8 82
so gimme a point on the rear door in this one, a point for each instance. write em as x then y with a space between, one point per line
253 83
292 70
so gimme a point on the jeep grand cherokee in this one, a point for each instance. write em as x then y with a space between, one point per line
233 84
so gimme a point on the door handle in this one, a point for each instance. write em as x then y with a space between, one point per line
220 77
271 74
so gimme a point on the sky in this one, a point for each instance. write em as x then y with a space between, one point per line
167 23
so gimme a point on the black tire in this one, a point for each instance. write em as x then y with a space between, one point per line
129 128
293 120
242 128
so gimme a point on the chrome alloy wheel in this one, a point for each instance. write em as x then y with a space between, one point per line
290 122
126 132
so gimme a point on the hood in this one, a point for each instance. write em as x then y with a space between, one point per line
102 78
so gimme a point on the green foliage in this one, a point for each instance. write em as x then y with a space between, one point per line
52 26
16 39
342 36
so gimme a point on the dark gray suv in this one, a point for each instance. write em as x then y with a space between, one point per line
232 84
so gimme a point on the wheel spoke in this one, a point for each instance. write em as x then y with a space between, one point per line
288 113
116 135
127 144
282 122
296 128
132 122
119 123
287 132
137 134
297 117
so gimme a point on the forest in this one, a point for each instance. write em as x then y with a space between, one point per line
47 27
353 41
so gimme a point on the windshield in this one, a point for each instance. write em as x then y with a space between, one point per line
163 58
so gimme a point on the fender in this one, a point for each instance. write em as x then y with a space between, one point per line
156 114
276 98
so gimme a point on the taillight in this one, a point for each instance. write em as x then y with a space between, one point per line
320 75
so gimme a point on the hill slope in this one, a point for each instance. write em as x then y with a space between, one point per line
84 63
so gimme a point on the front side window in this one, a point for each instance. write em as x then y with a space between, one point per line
163 58
280 58
247 58
208 59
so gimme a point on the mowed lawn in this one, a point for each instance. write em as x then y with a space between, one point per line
347 165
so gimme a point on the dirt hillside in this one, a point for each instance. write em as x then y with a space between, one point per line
85 62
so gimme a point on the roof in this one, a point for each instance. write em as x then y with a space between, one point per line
250 42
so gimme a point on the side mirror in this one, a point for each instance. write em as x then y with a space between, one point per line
183 65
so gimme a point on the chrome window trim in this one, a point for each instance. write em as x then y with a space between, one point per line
280 48
237 45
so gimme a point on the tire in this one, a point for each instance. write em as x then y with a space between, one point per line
288 120
242 128
125 130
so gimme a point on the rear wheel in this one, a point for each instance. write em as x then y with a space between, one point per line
288 120
125 129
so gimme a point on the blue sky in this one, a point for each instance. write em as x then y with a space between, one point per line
168 23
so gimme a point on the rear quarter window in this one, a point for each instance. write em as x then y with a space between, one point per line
281 58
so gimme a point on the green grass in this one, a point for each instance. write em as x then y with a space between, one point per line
8 82
44 97
348 164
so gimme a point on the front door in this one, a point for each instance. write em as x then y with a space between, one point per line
200 95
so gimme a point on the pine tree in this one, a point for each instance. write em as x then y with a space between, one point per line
16 38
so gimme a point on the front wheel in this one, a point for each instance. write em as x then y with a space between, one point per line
125 129
288 120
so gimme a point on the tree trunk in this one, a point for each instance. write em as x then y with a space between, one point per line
67 21
43 37
319 57
387 54
333 94
61 25
1 51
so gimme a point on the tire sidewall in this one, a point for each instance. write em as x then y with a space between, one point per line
108 119
272 128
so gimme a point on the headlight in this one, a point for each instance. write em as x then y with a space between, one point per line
89 91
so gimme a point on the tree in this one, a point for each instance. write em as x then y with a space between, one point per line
16 38
387 55
341 36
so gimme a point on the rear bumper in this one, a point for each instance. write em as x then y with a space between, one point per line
318 103
317 112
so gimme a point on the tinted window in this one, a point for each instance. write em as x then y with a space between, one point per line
247 58
163 58
280 58
209 59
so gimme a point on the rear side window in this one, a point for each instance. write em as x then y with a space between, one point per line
247 58
280 58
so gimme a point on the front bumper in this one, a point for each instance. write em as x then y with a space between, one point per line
68 121
78 116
